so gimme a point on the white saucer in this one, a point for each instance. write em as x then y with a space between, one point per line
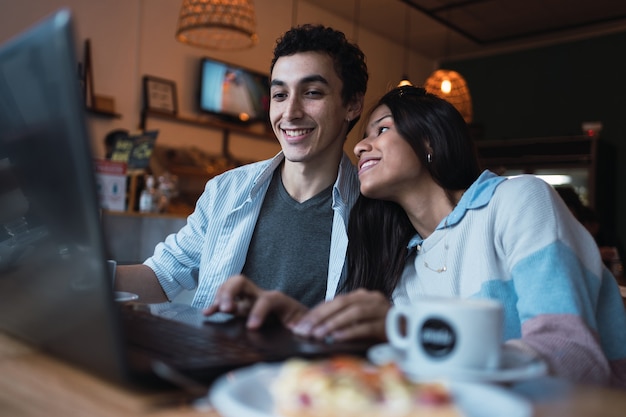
515 366
245 393
123 296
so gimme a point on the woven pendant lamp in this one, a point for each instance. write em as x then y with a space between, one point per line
217 24
451 86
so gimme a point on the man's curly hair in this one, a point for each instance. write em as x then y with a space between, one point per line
349 60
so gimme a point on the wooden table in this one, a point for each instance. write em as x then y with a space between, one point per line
33 384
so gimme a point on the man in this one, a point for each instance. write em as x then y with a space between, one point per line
281 222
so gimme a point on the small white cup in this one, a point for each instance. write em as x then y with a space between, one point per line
120 296
112 267
441 336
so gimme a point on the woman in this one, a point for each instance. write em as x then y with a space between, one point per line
429 223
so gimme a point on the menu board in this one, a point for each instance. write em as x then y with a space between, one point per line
135 149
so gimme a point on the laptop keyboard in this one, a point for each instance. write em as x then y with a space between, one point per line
203 350
185 346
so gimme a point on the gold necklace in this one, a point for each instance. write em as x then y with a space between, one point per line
444 256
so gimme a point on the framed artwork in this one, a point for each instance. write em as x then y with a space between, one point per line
159 95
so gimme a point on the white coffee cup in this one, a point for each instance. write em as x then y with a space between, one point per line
444 336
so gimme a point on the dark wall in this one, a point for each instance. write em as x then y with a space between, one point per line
550 91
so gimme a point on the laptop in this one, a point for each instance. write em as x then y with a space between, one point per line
55 287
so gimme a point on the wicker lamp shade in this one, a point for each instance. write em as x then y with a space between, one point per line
217 24
451 86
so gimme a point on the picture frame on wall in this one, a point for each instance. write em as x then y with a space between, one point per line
160 95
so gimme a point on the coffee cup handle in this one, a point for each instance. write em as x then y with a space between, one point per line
397 337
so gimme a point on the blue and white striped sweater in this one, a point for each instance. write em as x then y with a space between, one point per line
516 241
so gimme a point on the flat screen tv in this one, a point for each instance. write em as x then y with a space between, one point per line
233 93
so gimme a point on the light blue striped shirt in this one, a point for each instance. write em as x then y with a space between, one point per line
213 245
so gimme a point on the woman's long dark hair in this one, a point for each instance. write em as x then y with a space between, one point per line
379 231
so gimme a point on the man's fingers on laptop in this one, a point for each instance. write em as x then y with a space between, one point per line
238 305
235 296
212 309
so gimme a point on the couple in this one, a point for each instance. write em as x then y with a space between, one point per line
427 222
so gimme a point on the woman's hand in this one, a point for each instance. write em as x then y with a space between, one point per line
241 297
357 315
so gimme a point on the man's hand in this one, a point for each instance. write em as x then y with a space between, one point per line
241 297
356 315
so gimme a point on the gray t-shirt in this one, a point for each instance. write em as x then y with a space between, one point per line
290 247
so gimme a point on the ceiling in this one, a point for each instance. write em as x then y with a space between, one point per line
440 29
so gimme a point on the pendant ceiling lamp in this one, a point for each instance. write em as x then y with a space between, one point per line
451 86
217 24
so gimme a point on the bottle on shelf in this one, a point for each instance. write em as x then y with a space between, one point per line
148 197
166 190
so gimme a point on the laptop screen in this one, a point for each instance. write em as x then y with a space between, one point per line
54 291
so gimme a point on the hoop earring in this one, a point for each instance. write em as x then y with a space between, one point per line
429 158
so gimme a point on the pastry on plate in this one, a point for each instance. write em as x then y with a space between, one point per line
346 386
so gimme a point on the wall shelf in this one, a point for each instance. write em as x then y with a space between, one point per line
210 123
103 113
264 132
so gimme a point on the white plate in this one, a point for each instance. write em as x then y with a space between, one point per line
515 366
245 393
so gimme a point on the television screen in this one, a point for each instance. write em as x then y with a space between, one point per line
233 93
